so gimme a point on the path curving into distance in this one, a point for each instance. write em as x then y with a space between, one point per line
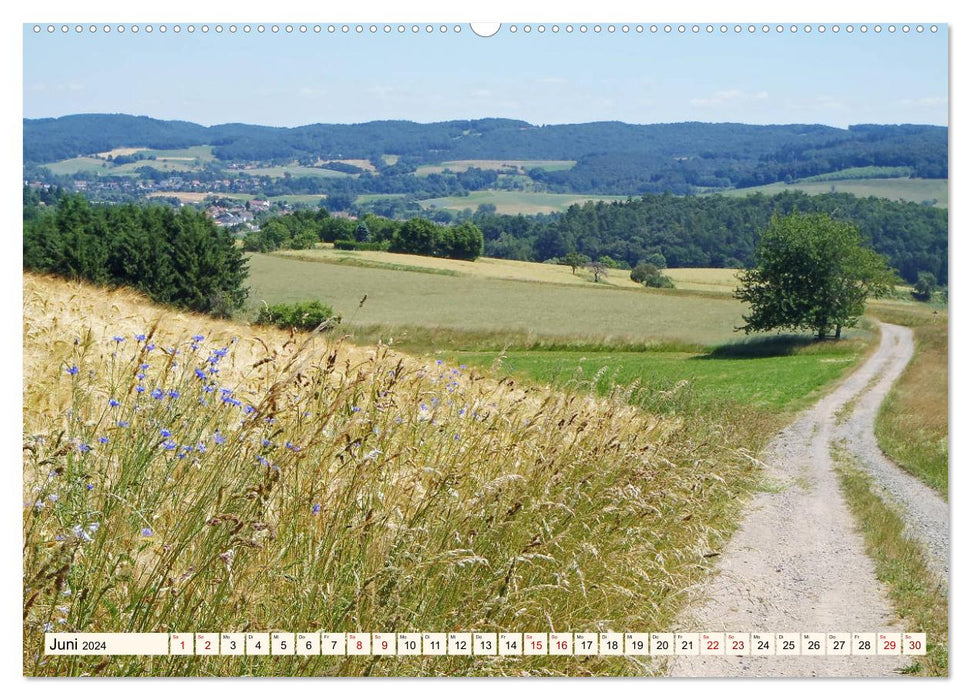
797 562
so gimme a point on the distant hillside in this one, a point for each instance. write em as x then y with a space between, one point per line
611 157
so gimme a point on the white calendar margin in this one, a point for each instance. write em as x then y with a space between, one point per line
11 643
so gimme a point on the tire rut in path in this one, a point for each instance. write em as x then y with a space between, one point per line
797 562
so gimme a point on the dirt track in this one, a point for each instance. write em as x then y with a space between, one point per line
797 562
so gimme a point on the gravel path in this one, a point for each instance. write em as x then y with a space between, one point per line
797 563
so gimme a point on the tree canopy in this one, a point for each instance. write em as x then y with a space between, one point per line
811 272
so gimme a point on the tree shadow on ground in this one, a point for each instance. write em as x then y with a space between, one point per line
766 346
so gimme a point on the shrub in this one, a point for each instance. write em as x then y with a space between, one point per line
648 275
304 315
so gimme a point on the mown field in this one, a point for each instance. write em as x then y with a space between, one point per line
907 189
188 159
406 298
522 166
508 202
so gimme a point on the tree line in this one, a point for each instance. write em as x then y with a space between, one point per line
715 231
175 257
303 229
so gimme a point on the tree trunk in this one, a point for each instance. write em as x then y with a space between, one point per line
839 329
821 334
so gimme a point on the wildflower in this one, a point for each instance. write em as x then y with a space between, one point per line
173 394
123 424
84 447
80 533
150 347
439 362
165 433
93 527
208 389
198 338
147 532
140 375
140 337
266 443
113 403
290 446
169 445
48 627
461 366
119 339
157 394
72 370
218 439
263 460
144 365
66 592
140 389
248 409
103 440
462 411
59 538
316 509
200 374
89 487
373 454
63 609
355 409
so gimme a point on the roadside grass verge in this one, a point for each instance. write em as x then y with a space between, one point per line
183 473
900 564
912 426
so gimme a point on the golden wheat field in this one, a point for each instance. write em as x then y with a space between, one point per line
188 474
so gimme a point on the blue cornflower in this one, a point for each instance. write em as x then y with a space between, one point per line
173 394
208 389
462 411
456 437
157 394
201 447
84 447
248 409
150 347
119 339
72 370
439 362
147 532
165 433
461 366
262 460
266 442
200 374
140 389
144 365
218 439
291 446
356 409
89 487
123 424
169 444
140 376
198 338
139 337
103 440
316 509
113 403
59 538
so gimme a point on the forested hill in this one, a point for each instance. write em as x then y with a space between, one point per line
612 157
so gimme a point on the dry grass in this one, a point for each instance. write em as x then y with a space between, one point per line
704 279
912 427
275 482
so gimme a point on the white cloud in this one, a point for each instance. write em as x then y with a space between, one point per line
729 97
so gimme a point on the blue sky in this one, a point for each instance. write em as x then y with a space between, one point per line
293 79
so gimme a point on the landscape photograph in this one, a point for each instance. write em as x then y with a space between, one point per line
436 350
